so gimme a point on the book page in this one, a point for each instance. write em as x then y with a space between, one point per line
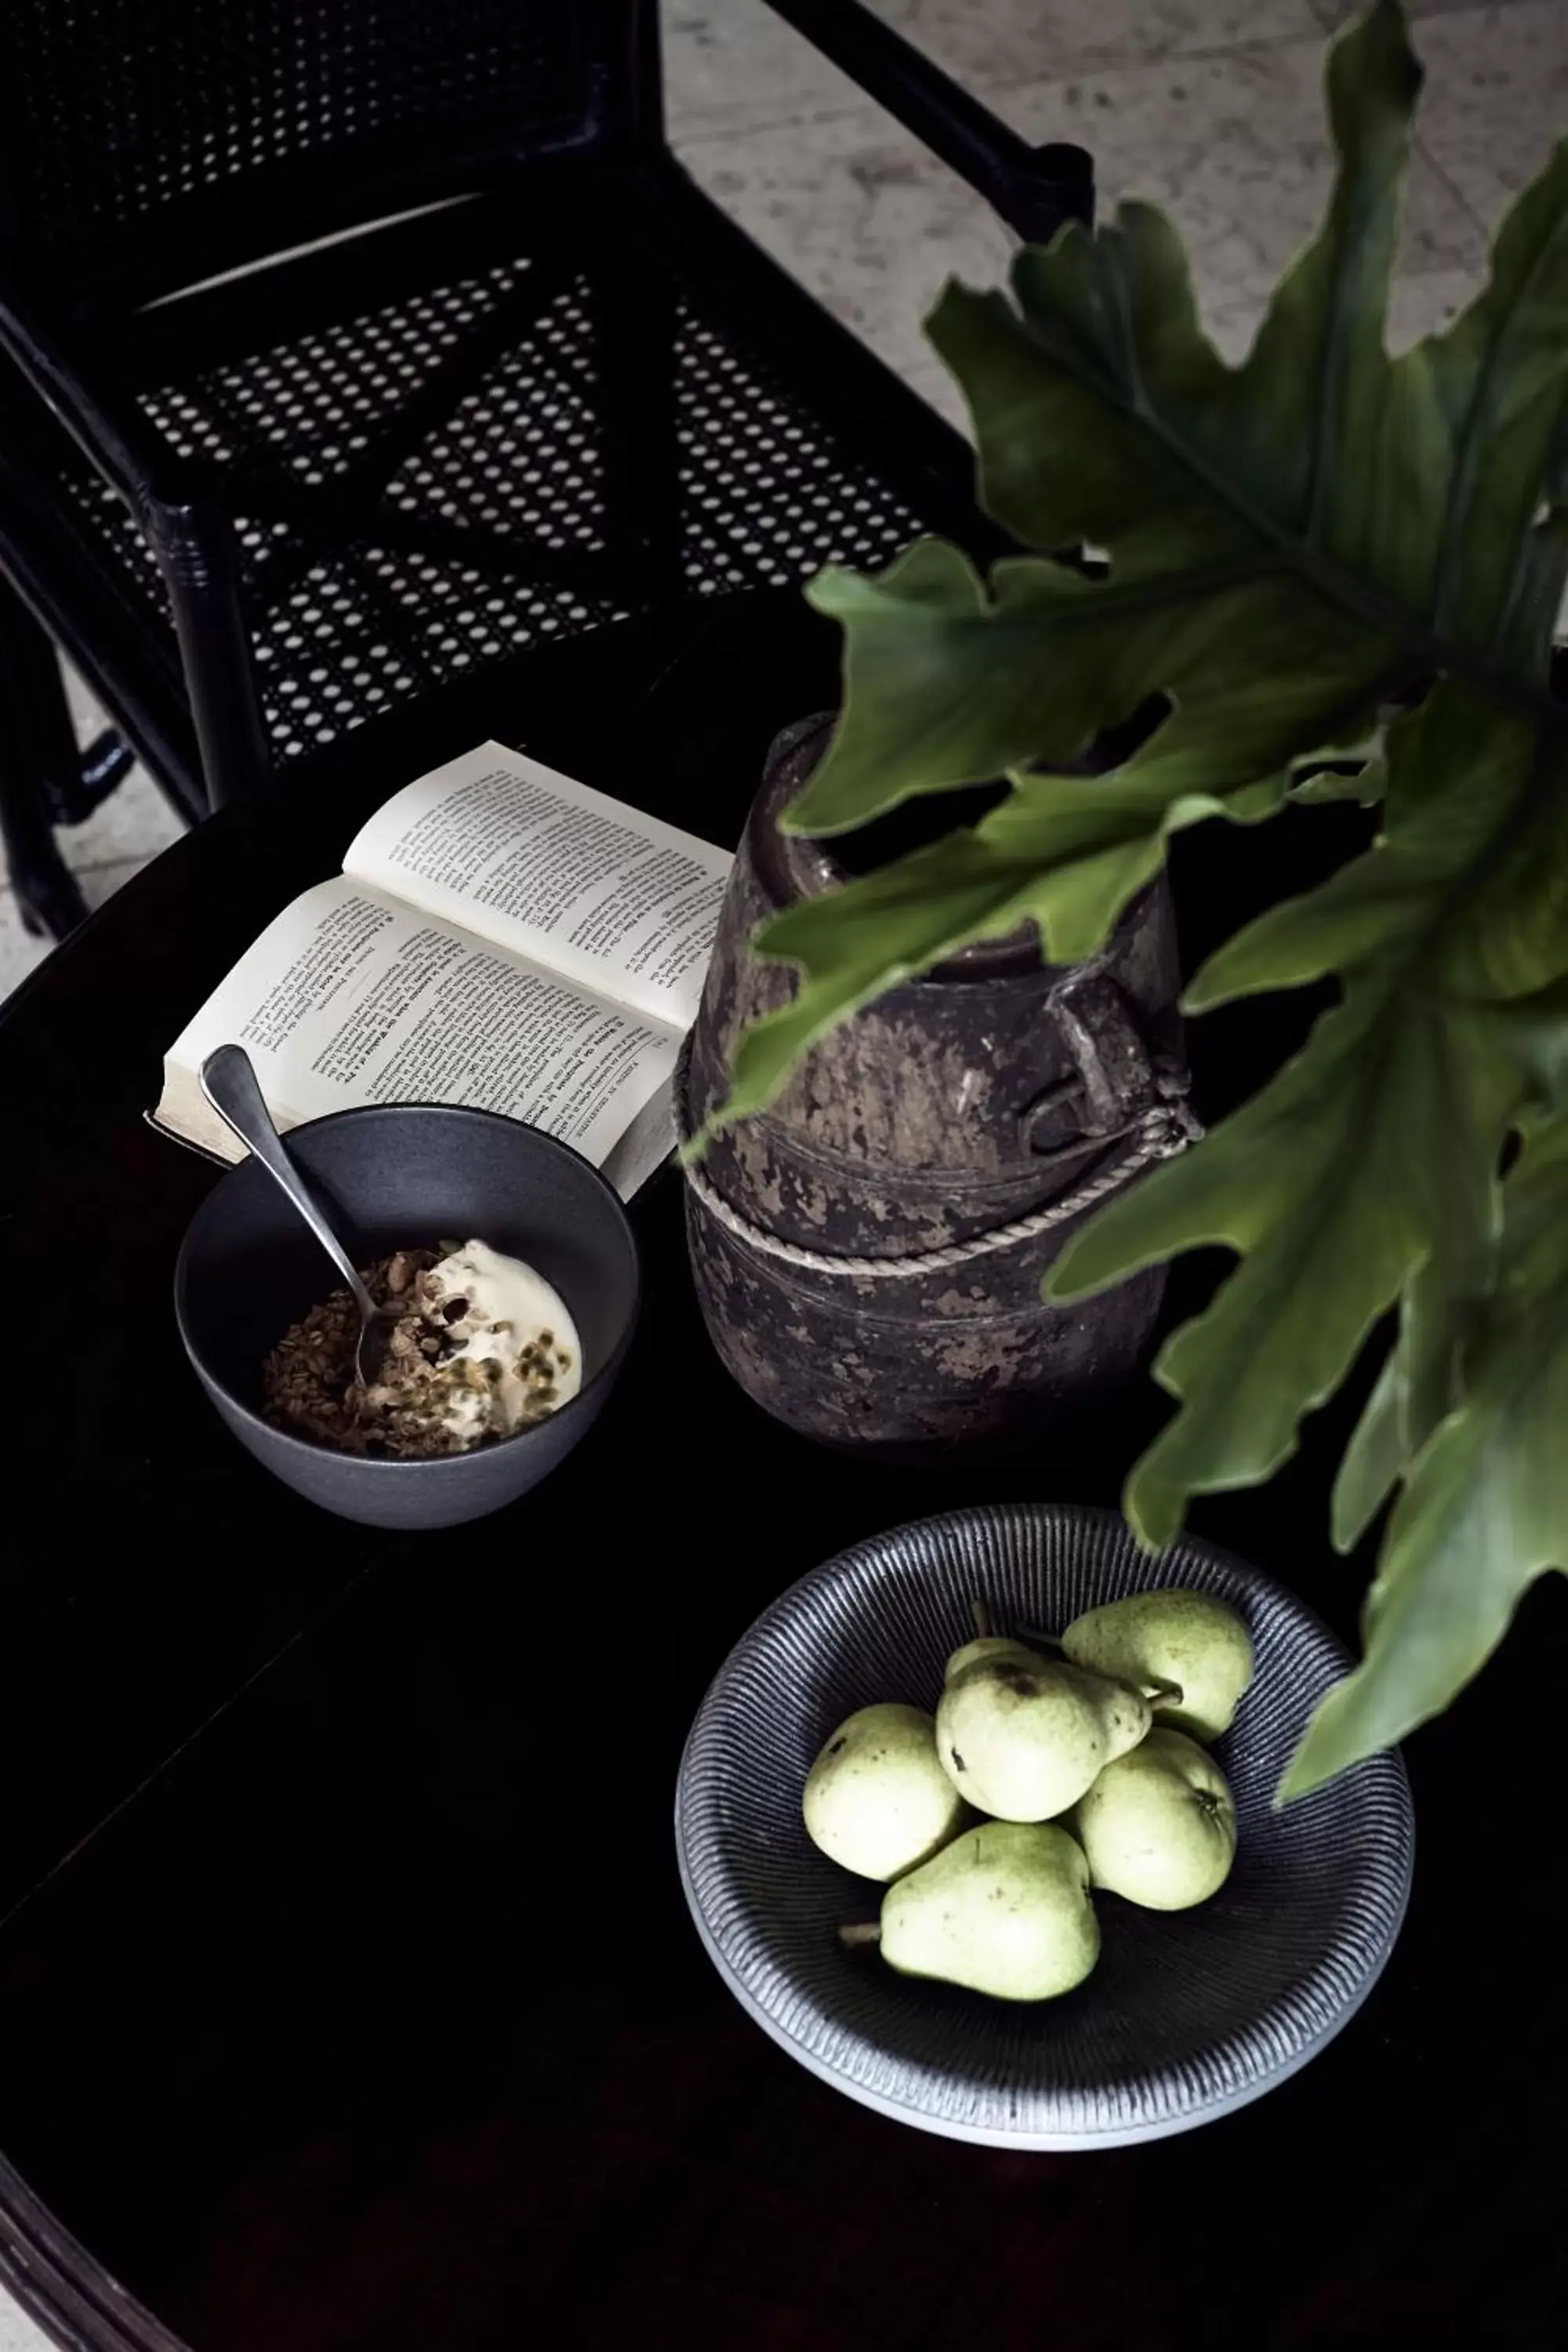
350 997
559 873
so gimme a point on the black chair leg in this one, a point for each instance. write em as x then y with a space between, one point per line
636 325
37 765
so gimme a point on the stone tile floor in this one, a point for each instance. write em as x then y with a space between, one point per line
1210 107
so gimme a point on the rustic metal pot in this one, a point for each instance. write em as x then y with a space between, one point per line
996 1089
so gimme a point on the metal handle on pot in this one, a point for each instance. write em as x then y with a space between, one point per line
1113 1082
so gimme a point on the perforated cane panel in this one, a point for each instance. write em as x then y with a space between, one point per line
121 119
468 471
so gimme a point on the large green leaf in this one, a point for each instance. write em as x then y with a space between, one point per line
1287 539
1372 1155
1106 838
1290 542
1485 1510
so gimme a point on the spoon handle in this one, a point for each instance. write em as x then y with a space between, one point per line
229 1082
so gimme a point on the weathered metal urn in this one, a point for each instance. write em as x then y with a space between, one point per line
870 1251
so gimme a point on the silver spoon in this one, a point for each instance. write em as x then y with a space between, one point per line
229 1082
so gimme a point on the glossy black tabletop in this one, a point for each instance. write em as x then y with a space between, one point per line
347 1996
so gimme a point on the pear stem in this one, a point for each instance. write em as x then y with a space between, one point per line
867 1931
981 1616
1163 1694
1039 1640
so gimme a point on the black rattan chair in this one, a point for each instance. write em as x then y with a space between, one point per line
561 389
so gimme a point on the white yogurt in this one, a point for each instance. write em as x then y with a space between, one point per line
514 1317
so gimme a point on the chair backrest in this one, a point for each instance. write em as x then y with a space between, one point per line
146 143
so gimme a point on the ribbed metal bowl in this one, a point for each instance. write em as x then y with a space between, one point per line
1187 2014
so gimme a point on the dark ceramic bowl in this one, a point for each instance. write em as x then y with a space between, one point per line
1189 2014
403 1177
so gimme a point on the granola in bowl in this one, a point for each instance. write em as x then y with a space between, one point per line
483 1346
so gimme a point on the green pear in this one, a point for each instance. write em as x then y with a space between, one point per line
1159 1825
877 1799
1189 1639
1004 1909
1024 1737
988 1645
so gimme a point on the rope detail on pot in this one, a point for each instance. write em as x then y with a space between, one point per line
1165 1128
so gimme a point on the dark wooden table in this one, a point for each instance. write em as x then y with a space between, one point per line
347 1997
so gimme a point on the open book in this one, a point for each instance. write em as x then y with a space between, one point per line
499 936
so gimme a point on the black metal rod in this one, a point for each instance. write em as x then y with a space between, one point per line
1033 189
632 96
196 552
117 440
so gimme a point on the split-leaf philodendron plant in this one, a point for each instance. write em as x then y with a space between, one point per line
1322 553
